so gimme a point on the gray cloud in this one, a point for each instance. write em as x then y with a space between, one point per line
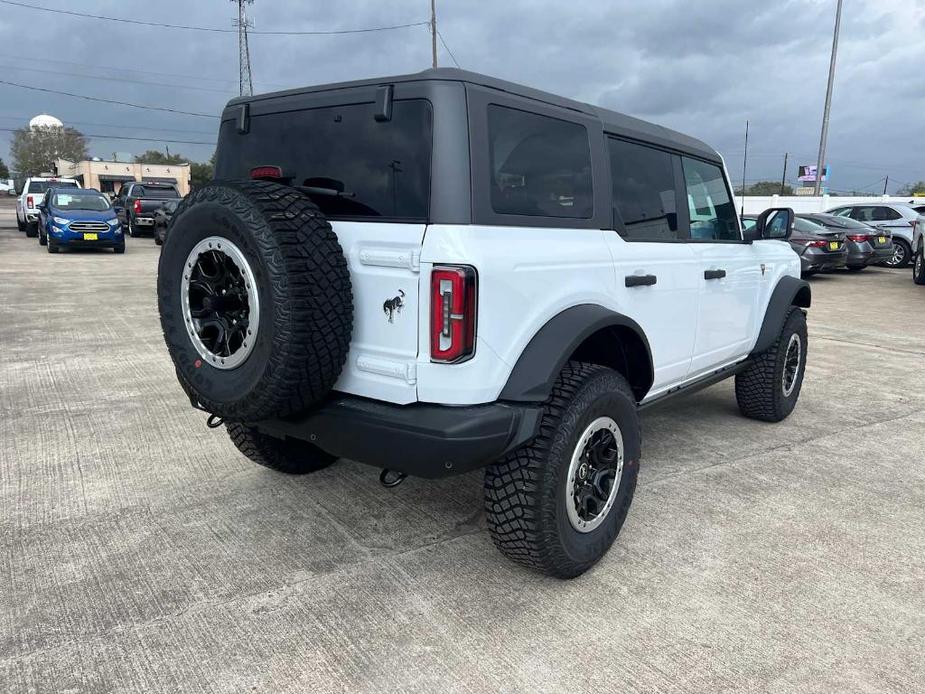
699 66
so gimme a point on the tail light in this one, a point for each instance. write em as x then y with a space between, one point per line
260 172
29 200
137 207
453 299
817 244
858 238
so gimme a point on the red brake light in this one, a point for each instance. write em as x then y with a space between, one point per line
453 298
817 244
266 172
29 199
137 207
858 238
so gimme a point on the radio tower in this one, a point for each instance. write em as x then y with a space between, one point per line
242 22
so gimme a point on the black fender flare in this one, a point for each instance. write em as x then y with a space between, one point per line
545 355
789 292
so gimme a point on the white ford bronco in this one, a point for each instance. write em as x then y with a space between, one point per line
443 271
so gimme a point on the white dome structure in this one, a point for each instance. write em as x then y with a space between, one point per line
45 121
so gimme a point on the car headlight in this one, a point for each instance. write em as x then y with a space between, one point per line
113 222
60 222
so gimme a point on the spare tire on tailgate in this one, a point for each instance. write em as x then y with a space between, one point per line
255 300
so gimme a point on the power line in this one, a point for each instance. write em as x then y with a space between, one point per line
98 136
25 119
109 101
121 79
455 62
216 30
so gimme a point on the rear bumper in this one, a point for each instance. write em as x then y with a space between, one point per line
812 260
144 221
862 256
423 440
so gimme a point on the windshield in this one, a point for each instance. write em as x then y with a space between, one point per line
349 163
71 201
841 222
42 186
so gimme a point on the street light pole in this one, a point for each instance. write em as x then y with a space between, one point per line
820 163
433 32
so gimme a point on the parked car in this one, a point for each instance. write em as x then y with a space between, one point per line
74 217
819 250
136 203
506 294
866 245
898 218
33 190
162 217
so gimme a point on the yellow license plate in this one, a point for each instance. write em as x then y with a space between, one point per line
833 245
882 239
91 237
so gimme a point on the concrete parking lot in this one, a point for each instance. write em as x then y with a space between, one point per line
141 552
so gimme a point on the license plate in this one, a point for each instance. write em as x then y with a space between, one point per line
833 245
91 237
882 239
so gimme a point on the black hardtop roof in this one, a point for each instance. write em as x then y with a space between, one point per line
613 121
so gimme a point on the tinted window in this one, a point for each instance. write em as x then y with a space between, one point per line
713 215
158 193
644 195
875 214
42 186
540 166
807 227
838 222
349 163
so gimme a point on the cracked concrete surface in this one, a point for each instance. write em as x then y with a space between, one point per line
141 552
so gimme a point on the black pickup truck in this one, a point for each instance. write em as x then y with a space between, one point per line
137 202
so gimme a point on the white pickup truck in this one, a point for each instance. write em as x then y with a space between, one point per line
442 272
33 190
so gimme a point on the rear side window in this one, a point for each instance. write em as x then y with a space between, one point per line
644 192
713 215
540 166
875 214
350 164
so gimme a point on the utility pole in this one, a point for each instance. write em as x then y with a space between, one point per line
246 87
886 182
744 165
820 164
783 176
433 32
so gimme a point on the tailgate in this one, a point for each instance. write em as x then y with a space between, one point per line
384 263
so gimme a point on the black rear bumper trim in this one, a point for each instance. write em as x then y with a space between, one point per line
421 439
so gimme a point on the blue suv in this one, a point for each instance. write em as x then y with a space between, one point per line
78 217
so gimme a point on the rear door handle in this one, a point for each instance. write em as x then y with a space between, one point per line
640 280
714 274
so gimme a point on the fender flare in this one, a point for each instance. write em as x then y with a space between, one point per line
538 366
789 292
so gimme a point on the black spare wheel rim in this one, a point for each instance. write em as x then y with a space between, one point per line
255 300
221 307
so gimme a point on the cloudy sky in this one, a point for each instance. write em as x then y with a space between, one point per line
699 66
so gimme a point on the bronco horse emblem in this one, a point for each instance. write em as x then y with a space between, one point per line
394 305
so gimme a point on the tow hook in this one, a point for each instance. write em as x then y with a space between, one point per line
390 478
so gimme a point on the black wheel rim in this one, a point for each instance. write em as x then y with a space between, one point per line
594 474
792 359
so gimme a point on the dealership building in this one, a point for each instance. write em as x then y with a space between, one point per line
110 176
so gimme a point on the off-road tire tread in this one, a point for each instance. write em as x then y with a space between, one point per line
290 456
756 388
313 314
515 495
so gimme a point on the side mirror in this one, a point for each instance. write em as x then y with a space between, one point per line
775 223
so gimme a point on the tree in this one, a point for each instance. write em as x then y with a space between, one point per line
35 150
200 174
155 156
911 189
4 171
766 188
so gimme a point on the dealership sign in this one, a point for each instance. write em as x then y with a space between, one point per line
807 172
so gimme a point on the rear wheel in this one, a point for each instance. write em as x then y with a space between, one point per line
129 229
558 503
43 238
918 270
291 456
770 387
19 224
902 254
32 229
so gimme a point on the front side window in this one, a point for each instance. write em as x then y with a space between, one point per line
348 162
540 166
644 192
713 215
